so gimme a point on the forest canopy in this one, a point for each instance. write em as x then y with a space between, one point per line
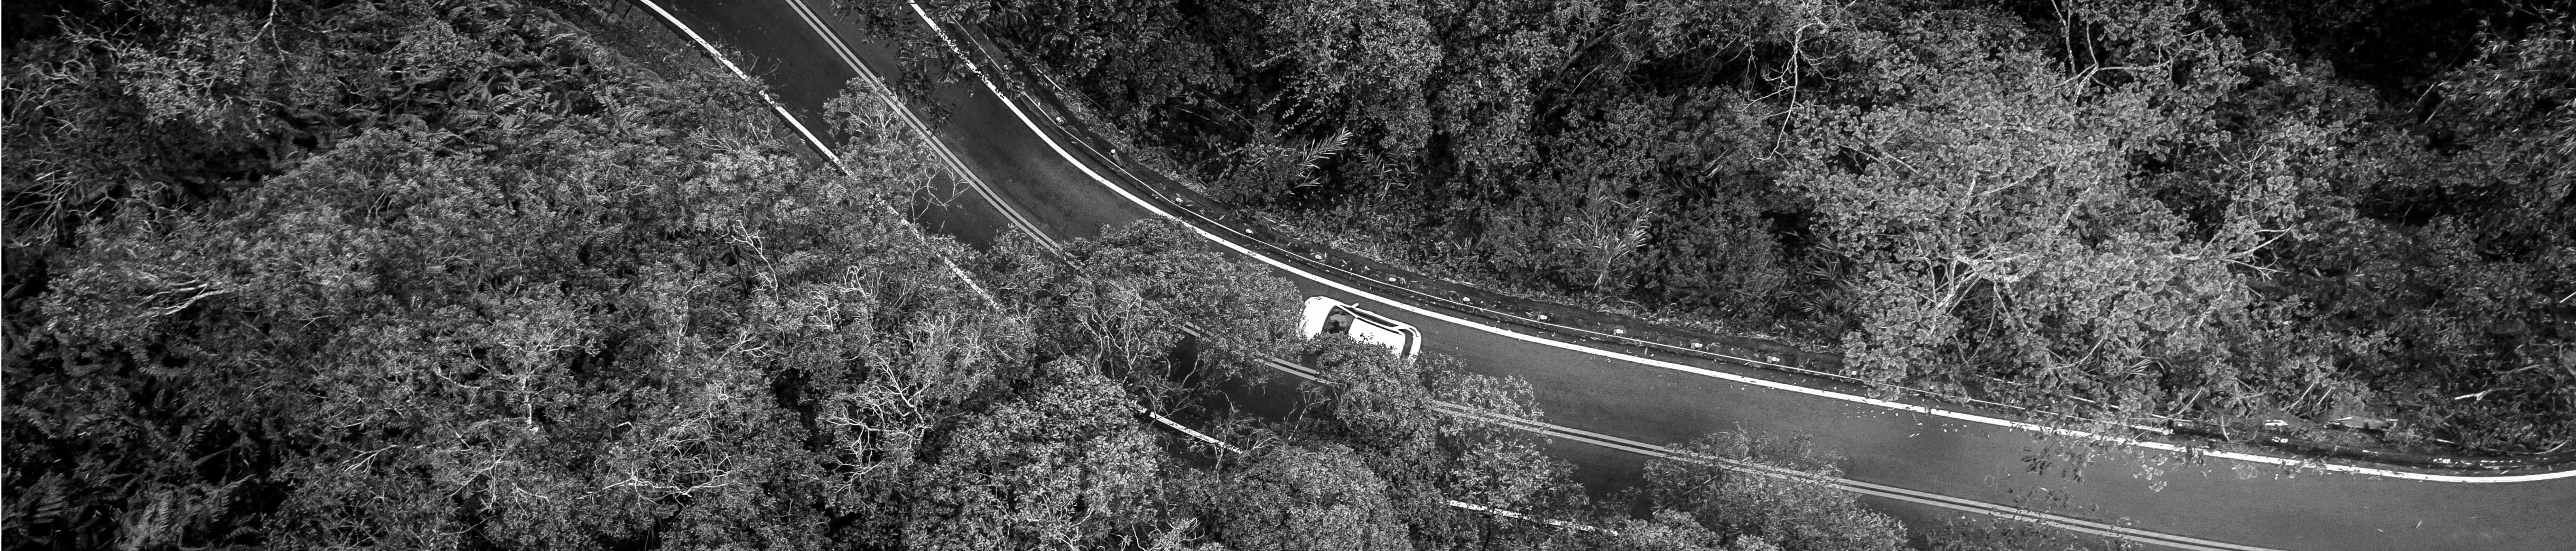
2220 209
485 275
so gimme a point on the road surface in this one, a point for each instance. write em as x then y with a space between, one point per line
1615 407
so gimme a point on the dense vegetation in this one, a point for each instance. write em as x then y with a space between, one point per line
2215 209
454 275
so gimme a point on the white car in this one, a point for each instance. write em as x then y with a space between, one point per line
1325 315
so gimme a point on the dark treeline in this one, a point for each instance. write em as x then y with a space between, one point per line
457 275
2219 209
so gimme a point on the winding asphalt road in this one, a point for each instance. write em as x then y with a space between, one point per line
1612 409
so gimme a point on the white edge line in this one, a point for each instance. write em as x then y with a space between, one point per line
710 48
955 164
1497 511
1890 492
1867 488
1599 439
810 139
1965 505
1511 514
1602 440
1185 429
1970 417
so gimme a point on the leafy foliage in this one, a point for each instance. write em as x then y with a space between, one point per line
1433 433
2117 208
1747 509
452 275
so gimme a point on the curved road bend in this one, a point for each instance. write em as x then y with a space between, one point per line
1920 467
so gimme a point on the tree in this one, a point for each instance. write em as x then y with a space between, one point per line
1994 201
1435 434
1066 465
436 276
1760 493
1129 299
1296 498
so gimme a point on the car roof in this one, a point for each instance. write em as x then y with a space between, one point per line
1365 326
1374 330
